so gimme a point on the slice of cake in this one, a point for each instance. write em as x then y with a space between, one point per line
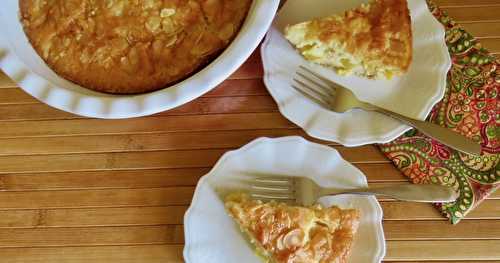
293 234
373 40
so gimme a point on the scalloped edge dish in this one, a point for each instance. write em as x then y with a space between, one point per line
211 235
22 64
413 94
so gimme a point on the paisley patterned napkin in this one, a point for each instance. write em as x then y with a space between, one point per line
471 106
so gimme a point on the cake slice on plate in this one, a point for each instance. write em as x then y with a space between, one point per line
293 234
373 40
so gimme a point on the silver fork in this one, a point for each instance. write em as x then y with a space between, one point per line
340 99
304 191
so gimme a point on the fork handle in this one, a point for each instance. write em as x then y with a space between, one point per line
413 192
441 134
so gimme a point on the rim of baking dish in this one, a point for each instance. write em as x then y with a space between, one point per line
81 101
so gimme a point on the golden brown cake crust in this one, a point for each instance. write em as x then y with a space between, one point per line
130 46
388 34
378 33
292 234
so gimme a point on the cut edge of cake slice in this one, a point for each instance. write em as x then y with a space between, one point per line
281 233
373 40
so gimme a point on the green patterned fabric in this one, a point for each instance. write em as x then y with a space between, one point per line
471 106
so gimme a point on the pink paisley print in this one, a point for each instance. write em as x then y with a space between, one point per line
471 106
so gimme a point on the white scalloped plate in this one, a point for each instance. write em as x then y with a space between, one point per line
211 236
20 62
413 94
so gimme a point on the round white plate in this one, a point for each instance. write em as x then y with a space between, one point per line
413 94
20 62
211 236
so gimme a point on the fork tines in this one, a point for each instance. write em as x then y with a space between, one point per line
273 188
314 86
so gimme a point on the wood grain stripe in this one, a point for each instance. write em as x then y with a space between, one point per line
488 209
147 178
465 3
148 160
483 29
473 14
93 236
110 179
437 230
148 125
168 215
139 142
474 250
108 161
444 261
492 44
92 217
5 81
97 198
15 96
102 254
210 105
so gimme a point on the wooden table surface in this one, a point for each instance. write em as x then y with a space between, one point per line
84 190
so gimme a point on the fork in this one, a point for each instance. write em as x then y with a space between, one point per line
304 191
339 99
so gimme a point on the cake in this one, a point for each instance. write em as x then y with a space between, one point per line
291 234
128 47
373 40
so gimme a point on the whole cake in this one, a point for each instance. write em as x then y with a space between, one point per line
130 46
